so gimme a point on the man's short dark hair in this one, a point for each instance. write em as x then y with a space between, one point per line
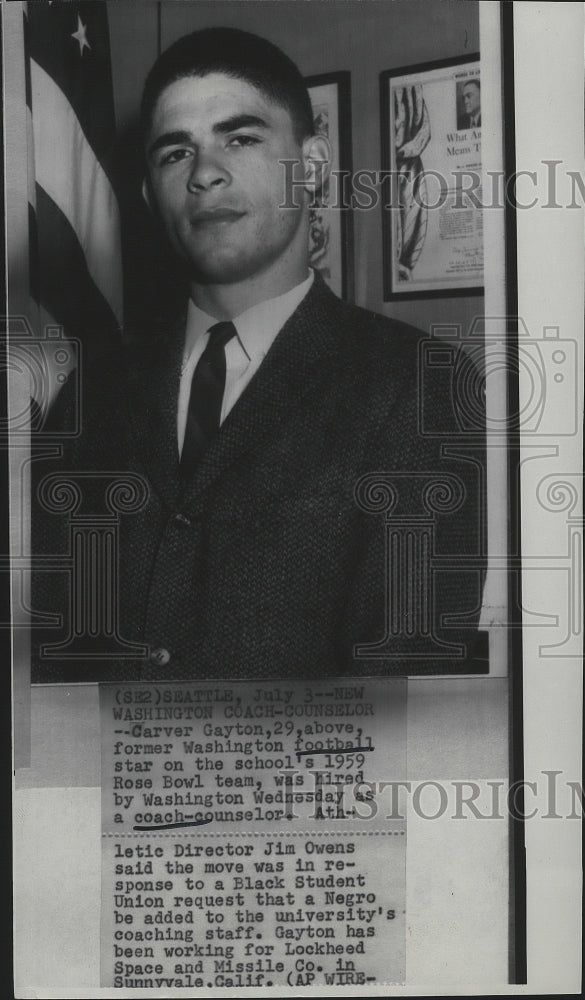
240 55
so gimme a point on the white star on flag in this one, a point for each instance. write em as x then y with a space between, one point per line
80 36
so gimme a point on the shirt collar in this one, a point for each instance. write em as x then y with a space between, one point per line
256 327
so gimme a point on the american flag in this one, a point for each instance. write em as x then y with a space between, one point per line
74 225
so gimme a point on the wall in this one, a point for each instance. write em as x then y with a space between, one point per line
322 36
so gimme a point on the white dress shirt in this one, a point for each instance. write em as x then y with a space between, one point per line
256 330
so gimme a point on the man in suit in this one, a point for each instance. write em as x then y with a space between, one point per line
471 105
277 502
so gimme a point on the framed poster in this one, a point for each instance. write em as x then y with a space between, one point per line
432 219
330 248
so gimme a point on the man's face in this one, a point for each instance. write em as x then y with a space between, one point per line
213 156
471 99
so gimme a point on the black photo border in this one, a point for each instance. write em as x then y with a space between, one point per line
518 969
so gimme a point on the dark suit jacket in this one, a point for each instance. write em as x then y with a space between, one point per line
264 563
464 122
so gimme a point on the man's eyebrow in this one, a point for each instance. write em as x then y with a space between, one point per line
239 121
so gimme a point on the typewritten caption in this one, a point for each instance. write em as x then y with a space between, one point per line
241 843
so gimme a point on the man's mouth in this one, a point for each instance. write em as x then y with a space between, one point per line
215 215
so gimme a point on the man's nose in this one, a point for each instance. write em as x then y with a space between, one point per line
207 172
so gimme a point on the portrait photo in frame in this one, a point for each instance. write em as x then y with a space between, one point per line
432 221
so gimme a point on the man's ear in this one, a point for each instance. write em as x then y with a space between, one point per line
147 194
316 162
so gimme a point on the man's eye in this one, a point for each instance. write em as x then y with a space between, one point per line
175 155
243 140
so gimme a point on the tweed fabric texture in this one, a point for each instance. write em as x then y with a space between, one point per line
262 564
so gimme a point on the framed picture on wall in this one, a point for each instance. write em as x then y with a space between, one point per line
331 235
432 222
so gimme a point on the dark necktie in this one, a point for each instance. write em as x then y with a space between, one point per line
207 389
